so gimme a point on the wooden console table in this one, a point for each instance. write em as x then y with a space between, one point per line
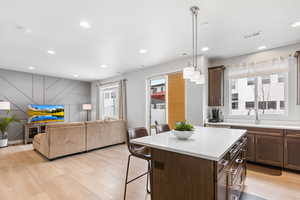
32 129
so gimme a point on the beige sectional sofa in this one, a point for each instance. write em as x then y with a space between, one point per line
104 133
63 139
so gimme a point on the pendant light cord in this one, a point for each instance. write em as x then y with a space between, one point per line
193 30
195 36
196 40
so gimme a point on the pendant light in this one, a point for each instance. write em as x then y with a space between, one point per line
193 73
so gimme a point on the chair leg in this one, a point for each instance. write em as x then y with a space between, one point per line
149 171
126 179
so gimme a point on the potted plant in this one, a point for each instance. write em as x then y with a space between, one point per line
4 124
183 130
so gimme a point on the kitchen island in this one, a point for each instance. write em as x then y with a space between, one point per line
208 166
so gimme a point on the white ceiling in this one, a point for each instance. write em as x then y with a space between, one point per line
120 28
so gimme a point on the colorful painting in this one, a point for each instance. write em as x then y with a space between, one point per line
45 113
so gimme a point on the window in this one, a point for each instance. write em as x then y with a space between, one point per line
262 105
268 91
251 81
235 97
235 105
233 85
250 104
282 105
280 79
272 105
109 102
154 90
242 96
265 80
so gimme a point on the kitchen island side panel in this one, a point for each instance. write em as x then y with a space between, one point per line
181 177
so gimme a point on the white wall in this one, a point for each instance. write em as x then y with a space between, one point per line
293 109
136 92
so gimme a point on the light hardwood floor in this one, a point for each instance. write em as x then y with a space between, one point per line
99 175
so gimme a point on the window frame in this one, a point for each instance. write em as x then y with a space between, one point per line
267 116
102 97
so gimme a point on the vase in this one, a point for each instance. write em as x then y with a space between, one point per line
183 135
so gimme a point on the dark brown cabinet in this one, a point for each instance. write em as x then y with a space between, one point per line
216 86
250 147
297 55
176 176
265 145
292 150
269 150
275 147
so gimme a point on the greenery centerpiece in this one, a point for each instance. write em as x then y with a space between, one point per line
4 124
183 130
183 126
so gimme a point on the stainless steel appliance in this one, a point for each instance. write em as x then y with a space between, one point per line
232 172
237 171
215 115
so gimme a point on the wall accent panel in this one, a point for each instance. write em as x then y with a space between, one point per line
22 89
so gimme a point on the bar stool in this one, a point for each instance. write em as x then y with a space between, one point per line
138 151
160 128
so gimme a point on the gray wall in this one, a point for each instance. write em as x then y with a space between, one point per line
136 92
22 89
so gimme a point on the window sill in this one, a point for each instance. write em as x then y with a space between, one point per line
260 117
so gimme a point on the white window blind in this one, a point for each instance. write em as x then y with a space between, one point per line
253 69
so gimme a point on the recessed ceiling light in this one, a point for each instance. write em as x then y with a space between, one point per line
103 66
28 30
76 75
205 49
296 24
31 68
262 47
85 24
22 28
52 52
143 51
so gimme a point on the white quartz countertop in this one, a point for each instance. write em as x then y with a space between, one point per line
206 143
275 126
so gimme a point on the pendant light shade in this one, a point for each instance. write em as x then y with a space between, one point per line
188 72
201 80
198 78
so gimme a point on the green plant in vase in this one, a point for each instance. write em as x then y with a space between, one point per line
183 126
183 130
5 122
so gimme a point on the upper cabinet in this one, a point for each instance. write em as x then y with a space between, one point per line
298 76
216 86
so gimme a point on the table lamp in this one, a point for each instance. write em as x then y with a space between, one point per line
87 108
4 105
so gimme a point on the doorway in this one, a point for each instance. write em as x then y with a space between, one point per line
158 102
166 100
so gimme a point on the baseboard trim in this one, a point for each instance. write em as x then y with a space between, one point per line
14 142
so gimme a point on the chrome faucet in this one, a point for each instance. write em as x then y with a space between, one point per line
257 120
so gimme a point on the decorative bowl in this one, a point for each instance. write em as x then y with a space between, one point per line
183 135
